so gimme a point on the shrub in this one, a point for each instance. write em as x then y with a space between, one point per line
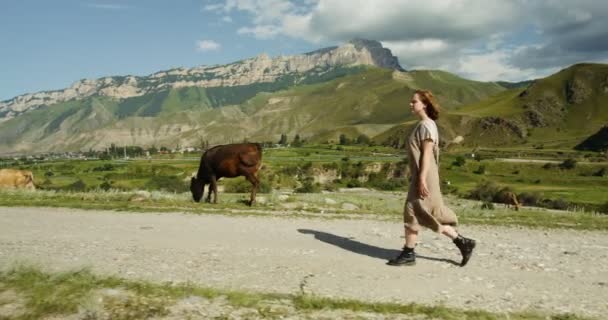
49 174
604 208
530 198
548 166
480 170
106 185
308 186
460 161
600 173
568 164
353 183
484 191
559 204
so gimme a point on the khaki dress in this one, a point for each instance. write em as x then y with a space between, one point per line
429 212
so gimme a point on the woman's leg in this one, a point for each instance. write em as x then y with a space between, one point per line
411 237
465 245
407 257
449 231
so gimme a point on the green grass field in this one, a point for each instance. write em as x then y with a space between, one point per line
584 187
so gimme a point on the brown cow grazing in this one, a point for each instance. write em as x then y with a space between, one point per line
12 178
227 161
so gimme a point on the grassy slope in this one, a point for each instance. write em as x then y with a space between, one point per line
567 122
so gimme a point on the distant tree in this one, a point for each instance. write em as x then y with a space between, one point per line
297 142
203 143
343 139
152 150
363 139
283 140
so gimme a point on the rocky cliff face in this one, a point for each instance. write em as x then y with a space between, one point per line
254 70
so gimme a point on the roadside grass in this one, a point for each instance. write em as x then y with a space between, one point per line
90 296
360 204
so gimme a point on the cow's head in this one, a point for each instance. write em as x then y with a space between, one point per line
196 187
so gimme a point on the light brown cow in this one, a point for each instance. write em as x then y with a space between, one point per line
12 178
511 201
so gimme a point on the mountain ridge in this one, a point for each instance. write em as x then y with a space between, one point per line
259 69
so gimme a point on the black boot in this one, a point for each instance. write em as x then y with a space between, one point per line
466 247
407 257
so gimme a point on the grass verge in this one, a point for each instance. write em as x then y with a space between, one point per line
36 294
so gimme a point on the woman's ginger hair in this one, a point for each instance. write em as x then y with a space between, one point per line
432 107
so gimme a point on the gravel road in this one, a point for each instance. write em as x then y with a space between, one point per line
512 269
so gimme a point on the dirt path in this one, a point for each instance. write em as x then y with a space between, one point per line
512 269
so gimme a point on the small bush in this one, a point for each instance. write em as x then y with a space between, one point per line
106 185
604 208
548 166
308 186
600 173
484 191
480 170
568 164
530 198
460 161
559 204
353 183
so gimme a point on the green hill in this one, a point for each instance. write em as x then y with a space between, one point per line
558 111
353 101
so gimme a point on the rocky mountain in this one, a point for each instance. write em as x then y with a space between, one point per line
260 69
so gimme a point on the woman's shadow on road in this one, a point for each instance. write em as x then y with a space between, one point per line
363 248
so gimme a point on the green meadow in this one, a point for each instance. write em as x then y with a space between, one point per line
374 179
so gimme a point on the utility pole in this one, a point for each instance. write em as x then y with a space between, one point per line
125 151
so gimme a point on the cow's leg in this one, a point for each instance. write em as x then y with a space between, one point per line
255 182
213 187
208 200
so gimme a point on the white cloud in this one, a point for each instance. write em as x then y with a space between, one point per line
207 45
472 37
227 19
491 66
260 32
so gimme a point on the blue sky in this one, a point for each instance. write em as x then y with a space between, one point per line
48 45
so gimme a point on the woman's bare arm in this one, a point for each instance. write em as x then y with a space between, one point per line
425 160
